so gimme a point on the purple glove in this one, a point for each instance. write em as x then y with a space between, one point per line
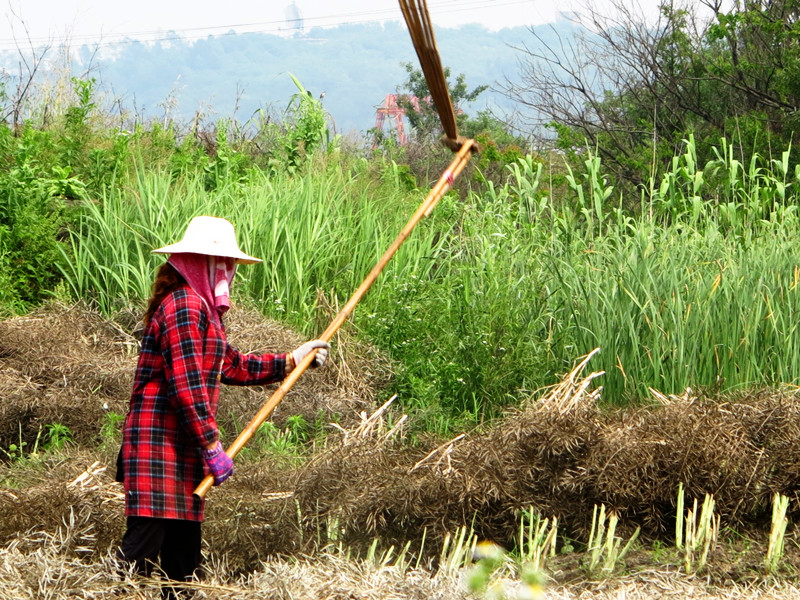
219 463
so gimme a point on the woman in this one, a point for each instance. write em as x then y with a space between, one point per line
170 436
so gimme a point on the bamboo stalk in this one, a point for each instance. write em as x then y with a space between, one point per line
415 13
437 192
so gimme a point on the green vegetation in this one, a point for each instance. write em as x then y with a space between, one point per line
111 428
494 296
52 437
670 256
636 90
604 545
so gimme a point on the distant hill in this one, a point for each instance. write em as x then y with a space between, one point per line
355 66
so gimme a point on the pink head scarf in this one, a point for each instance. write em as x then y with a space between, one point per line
210 277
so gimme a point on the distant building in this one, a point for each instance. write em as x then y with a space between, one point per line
294 19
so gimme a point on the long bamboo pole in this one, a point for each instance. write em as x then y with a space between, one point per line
437 192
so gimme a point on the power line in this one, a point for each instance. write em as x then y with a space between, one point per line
266 27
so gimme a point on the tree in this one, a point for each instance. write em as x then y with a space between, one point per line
427 158
635 90
31 60
414 99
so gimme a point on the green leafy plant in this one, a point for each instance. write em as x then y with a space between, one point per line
271 440
297 430
111 426
494 294
489 559
57 435
307 127
77 129
14 451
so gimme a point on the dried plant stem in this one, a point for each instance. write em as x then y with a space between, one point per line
700 536
536 541
776 536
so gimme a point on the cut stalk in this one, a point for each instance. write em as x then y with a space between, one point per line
776 536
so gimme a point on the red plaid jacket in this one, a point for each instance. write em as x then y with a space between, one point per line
183 359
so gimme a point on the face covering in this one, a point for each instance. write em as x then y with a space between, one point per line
220 274
210 277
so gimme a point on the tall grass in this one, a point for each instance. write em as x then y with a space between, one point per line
675 308
325 230
494 296
685 293
108 258
320 231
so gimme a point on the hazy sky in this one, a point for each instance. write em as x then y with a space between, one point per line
103 21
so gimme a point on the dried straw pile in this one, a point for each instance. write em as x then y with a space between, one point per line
559 454
55 566
48 495
62 365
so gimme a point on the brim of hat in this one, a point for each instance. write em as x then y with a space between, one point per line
182 248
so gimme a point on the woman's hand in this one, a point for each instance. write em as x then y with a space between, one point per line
219 463
322 348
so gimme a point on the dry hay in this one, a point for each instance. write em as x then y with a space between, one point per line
659 584
67 558
43 495
63 562
71 366
56 566
561 455
68 346
46 575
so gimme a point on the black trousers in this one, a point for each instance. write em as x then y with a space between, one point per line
174 545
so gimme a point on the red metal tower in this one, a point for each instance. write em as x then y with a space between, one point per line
395 113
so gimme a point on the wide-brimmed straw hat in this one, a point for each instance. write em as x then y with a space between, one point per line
212 236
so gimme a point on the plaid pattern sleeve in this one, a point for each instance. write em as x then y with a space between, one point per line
252 369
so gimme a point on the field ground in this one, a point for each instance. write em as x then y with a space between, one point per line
294 517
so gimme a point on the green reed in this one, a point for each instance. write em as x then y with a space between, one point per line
326 231
679 298
494 296
320 231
